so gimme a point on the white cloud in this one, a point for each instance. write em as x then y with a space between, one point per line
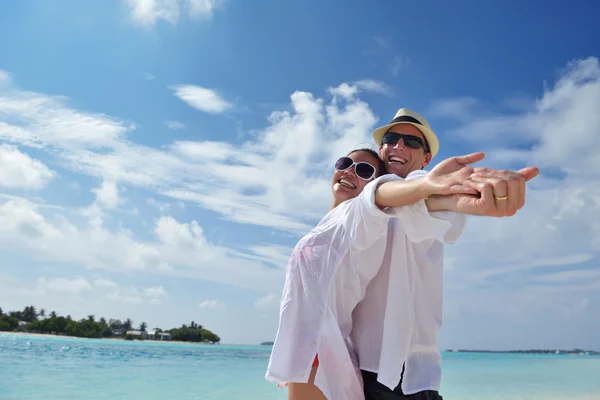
147 12
273 254
203 8
203 99
398 64
161 206
211 304
175 125
70 286
247 183
107 195
156 292
371 85
18 170
105 283
131 297
4 77
267 302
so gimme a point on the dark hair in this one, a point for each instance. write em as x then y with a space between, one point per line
380 163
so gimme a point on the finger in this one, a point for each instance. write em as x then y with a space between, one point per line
463 189
486 204
470 158
529 173
500 193
522 190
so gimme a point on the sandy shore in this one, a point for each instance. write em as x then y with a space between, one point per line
110 338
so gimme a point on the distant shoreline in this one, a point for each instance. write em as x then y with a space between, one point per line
531 351
107 338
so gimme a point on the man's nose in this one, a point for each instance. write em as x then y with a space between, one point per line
399 144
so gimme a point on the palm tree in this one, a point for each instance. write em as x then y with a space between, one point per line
91 318
143 326
42 313
103 321
52 314
128 324
29 314
0 310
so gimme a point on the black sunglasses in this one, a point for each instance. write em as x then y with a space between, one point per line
363 170
414 142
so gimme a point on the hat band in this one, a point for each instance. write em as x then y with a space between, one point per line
406 118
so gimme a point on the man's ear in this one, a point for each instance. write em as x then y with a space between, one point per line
427 160
381 152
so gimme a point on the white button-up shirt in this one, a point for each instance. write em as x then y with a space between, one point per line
327 275
398 320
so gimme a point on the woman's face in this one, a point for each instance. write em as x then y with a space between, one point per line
346 184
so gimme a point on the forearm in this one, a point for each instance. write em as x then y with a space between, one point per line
400 193
439 203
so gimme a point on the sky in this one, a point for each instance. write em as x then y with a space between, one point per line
159 159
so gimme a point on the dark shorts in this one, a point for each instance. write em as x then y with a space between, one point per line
378 391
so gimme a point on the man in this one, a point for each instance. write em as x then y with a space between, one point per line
396 324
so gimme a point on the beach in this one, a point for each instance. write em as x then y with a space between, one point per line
57 367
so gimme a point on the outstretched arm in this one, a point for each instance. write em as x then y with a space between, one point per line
448 177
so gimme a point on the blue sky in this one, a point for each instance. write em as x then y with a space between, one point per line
159 159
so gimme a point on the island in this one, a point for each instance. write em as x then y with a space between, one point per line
267 343
31 321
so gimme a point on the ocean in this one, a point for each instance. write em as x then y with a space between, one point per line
60 368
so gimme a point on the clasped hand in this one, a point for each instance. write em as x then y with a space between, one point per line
478 191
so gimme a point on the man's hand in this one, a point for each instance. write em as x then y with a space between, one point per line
502 193
451 175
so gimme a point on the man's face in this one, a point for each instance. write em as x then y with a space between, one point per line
400 159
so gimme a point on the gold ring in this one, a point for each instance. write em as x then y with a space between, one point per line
501 198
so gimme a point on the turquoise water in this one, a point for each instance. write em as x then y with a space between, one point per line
47 367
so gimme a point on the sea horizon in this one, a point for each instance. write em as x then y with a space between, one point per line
562 351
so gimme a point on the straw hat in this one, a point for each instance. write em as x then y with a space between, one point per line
406 116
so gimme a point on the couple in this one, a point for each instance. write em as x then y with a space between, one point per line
362 301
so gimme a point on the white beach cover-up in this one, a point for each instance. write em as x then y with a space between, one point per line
326 277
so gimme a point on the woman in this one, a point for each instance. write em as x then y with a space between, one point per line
327 276
323 284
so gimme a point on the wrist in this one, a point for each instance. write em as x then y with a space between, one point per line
425 189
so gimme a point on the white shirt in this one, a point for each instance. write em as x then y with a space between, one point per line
326 276
398 320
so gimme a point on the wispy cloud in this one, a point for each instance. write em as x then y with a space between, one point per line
203 8
211 304
268 302
371 85
175 125
203 99
383 50
147 13
398 64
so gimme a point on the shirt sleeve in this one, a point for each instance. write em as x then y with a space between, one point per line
420 225
364 222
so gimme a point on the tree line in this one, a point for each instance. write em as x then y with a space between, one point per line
51 323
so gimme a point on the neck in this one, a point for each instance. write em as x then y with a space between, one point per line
334 203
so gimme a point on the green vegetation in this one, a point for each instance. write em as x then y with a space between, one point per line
29 320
